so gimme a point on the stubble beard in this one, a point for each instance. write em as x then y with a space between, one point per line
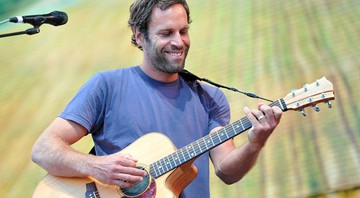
161 63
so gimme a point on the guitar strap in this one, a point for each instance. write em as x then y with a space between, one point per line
192 77
92 151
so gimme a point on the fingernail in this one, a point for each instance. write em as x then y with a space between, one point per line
246 109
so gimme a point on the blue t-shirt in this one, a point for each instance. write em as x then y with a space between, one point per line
119 106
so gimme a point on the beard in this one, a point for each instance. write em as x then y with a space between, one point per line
161 62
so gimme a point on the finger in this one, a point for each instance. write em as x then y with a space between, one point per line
122 184
128 178
260 104
129 157
126 160
135 172
267 111
129 171
250 115
277 112
259 115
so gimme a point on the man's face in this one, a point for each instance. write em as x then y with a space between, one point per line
168 40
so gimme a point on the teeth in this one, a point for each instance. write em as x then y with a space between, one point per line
175 54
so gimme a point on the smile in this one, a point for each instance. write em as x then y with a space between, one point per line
175 54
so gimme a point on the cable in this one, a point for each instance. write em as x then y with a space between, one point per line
4 21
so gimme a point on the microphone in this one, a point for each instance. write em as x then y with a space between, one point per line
54 18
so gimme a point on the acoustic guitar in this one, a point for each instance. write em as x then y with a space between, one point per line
170 169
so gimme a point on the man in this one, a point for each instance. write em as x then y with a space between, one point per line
119 106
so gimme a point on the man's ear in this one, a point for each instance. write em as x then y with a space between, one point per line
139 37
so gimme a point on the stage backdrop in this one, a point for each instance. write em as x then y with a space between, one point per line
265 47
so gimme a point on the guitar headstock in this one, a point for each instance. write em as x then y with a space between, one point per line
310 95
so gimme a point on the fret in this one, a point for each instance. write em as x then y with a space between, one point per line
167 163
242 124
195 148
223 134
233 129
217 133
158 167
204 140
155 168
197 141
183 155
151 171
226 133
239 127
187 153
191 154
171 160
178 158
208 142
216 141
161 167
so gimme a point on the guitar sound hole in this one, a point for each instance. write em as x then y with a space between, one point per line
139 187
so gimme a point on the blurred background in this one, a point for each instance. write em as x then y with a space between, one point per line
265 47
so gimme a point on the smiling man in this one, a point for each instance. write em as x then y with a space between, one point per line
118 107
165 43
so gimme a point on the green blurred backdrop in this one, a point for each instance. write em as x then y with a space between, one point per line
266 47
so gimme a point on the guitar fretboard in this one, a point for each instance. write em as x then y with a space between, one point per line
203 144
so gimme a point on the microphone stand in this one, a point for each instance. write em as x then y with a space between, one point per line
30 31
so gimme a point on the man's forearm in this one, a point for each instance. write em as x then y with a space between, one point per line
239 162
59 159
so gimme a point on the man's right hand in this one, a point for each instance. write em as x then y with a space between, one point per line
117 169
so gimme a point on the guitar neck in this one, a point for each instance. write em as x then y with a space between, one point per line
204 144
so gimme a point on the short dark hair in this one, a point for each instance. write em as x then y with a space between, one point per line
140 15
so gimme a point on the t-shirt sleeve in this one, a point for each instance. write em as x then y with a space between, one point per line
87 107
220 110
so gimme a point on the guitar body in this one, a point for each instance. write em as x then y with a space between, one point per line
146 149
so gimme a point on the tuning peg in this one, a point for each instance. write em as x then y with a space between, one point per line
329 104
305 88
316 108
303 112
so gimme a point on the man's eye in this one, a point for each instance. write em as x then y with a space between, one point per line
165 33
183 32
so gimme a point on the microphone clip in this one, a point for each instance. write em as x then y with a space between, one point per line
30 31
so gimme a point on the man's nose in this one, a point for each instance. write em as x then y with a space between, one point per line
177 40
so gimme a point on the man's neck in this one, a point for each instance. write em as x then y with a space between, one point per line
158 75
